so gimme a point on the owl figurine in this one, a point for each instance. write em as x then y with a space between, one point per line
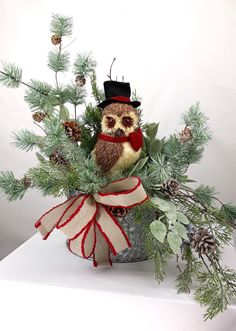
119 144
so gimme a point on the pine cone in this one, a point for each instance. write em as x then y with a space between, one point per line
58 159
118 211
185 135
80 80
38 116
26 180
171 187
203 242
56 39
72 131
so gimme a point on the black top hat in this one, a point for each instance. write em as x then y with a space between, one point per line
117 92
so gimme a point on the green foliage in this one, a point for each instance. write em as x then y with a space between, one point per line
191 271
229 211
38 97
58 61
91 126
27 140
204 194
11 75
12 188
97 92
160 253
181 155
84 64
61 25
216 291
75 95
138 166
158 229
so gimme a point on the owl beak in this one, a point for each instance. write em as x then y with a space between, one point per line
119 133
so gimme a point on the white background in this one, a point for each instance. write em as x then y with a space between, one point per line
173 52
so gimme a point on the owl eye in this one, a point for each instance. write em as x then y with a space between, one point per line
111 122
127 121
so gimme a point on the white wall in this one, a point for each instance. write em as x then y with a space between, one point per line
173 52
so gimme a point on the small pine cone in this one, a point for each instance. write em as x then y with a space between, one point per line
185 135
72 131
203 242
56 39
26 180
38 116
118 211
171 187
80 80
58 159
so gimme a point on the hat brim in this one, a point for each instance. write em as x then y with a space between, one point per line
107 102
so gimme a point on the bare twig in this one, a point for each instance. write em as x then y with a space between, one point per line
177 263
109 76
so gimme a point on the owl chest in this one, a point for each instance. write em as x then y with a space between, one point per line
128 157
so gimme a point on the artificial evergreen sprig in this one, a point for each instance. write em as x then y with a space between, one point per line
58 61
12 188
11 75
27 140
84 64
61 25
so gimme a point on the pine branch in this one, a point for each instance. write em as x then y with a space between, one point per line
229 212
58 61
204 194
13 188
27 140
180 155
38 96
61 25
52 179
75 95
216 291
191 271
160 253
11 75
84 64
97 93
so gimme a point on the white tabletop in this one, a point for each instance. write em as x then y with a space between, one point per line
52 288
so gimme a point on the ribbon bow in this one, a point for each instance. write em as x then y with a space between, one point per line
85 219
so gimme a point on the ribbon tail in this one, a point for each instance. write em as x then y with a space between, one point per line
101 254
112 232
49 220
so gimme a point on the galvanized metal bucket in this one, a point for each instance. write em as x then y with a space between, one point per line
135 234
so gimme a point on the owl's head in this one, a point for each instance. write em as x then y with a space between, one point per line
119 119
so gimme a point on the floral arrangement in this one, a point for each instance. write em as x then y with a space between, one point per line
91 153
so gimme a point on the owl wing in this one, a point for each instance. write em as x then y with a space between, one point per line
107 154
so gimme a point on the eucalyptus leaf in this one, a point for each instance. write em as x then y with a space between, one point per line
168 207
159 230
181 230
164 204
155 148
40 157
172 214
64 113
182 218
151 130
175 241
139 165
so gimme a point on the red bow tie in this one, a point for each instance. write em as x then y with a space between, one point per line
135 139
